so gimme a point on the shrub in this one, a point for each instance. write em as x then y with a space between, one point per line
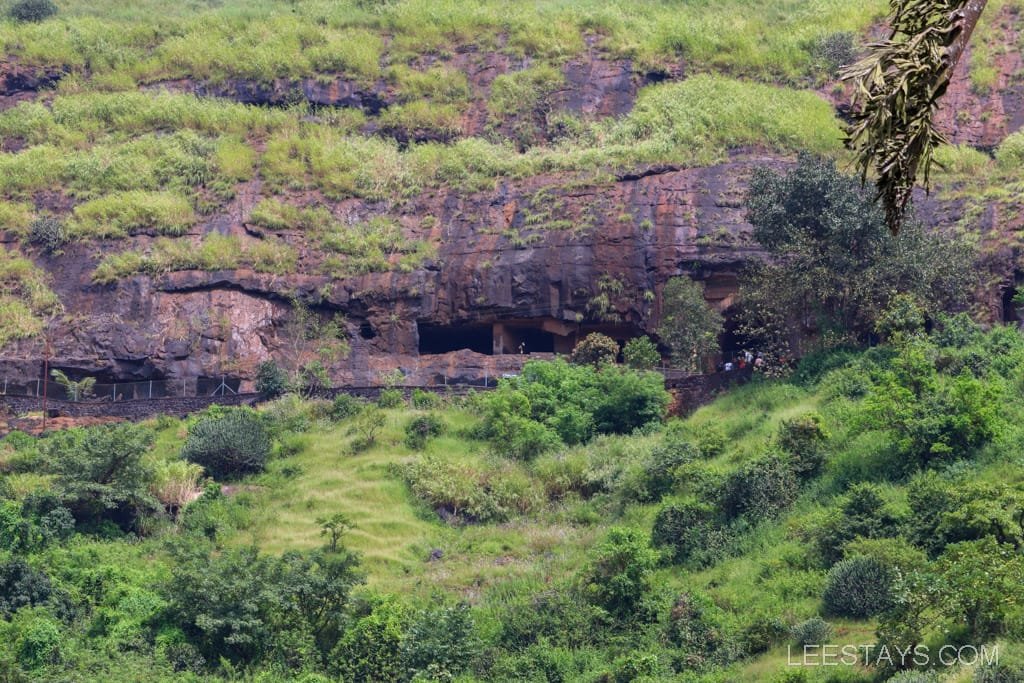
619 577
370 650
814 631
271 379
424 400
229 446
1010 153
596 349
21 586
421 428
440 643
697 627
345 406
859 587
367 425
665 459
459 491
32 10
48 233
525 439
686 532
760 490
803 439
390 398
640 353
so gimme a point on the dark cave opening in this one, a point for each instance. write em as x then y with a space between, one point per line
447 338
1011 308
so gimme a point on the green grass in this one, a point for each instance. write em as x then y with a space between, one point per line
26 300
125 213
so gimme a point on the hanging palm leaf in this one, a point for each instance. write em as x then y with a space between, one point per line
897 88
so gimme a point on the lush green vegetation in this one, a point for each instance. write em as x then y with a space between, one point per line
857 502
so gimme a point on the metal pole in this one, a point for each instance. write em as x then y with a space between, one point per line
46 373
151 388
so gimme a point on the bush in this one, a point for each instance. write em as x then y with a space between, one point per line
689 326
803 440
860 587
271 379
421 428
425 400
619 577
440 644
688 533
814 631
345 406
640 353
229 446
697 627
596 349
21 586
760 490
370 649
48 233
390 398
660 473
32 10
366 426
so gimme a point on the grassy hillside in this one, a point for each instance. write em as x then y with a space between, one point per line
902 458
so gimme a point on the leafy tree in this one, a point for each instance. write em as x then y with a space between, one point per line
440 643
640 353
271 380
22 586
333 527
834 267
933 418
230 445
100 471
311 340
596 349
689 326
367 425
976 583
370 650
619 576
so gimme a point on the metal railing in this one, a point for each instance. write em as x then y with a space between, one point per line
122 391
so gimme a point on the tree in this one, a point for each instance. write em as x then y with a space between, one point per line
333 527
100 471
76 391
689 326
310 343
833 267
640 353
897 89
596 349
619 577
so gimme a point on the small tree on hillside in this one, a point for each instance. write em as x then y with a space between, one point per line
689 326
641 353
311 343
596 349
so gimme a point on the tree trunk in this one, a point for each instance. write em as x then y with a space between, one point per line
966 19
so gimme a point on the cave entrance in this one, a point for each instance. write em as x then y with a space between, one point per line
1011 308
448 338
522 337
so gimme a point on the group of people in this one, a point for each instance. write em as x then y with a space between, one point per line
741 361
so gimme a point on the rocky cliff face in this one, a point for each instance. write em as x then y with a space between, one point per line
549 257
